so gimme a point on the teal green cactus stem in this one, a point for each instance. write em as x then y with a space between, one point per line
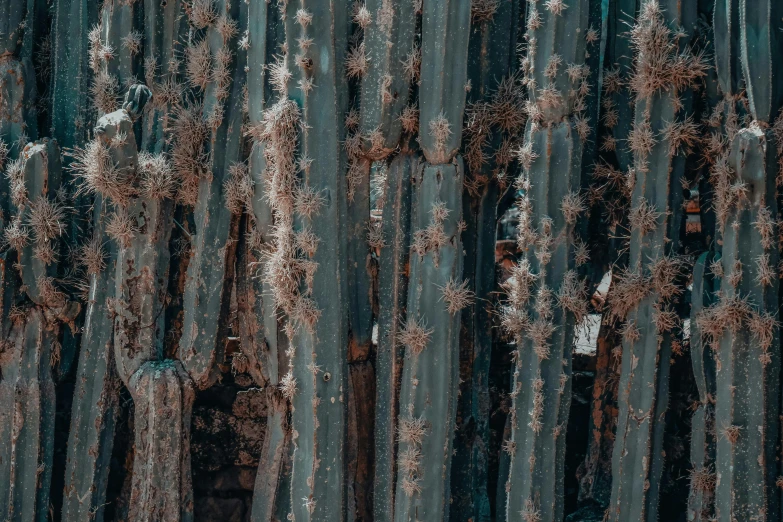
163 396
12 29
726 24
165 30
428 390
274 452
27 409
760 46
542 379
701 501
118 32
617 98
319 361
444 77
748 366
210 273
41 174
71 75
389 46
14 86
392 302
645 294
95 407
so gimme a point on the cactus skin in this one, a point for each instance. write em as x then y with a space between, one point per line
12 14
95 407
384 91
760 53
71 74
429 379
637 460
746 386
117 24
163 396
619 61
164 30
444 75
703 436
538 487
14 89
728 67
27 395
392 301
210 272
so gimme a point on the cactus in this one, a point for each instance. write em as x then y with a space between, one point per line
392 301
210 271
430 335
645 294
702 488
163 398
543 329
742 328
27 395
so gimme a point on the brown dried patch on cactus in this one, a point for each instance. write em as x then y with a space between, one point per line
99 175
763 327
440 130
16 235
362 16
46 219
682 136
187 134
238 188
410 119
121 227
731 433
198 64
629 288
157 177
703 479
411 65
104 91
201 13
456 295
288 385
356 63
765 274
659 64
375 235
572 296
92 256
415 335
644 217
483 10
572 205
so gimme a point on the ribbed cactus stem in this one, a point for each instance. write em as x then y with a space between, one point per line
444 77
392 64
743 328
392 302
430 334
760 54
701 501
210 273
546 298
319 358
71 74
163 396
27 409
646 293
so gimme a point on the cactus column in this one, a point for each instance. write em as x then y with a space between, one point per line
546 299
645 294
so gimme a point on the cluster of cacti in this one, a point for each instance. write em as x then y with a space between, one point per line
391 221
